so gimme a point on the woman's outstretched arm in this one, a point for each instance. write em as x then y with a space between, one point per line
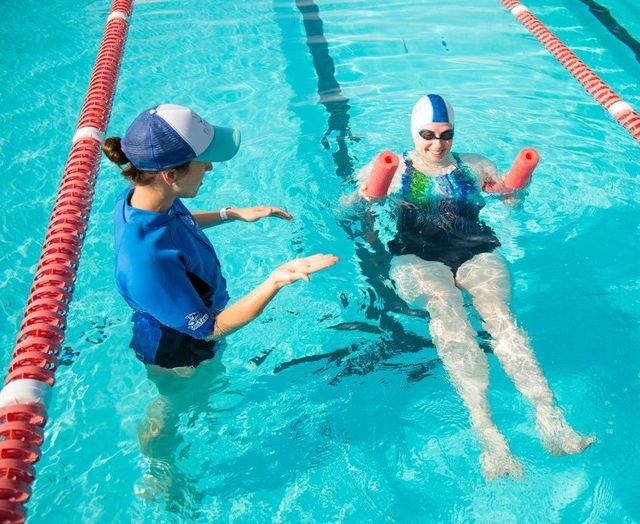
206 219
250 306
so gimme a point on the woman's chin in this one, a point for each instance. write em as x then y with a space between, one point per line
188 194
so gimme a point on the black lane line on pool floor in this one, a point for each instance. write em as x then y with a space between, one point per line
605 17
331 97
393 337
337 105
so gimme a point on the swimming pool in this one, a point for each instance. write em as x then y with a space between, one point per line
333 406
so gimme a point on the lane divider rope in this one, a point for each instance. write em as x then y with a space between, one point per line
88 132
24 397
593 84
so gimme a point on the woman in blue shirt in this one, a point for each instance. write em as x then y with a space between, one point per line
166 268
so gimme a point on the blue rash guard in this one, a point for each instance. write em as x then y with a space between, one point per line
168 272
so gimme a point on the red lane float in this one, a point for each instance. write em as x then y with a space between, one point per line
520 173
600 91
31 372
384 167
12 512
33 414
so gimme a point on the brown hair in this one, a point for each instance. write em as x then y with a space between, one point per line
113 150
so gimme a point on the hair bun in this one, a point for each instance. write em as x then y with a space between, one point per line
113 150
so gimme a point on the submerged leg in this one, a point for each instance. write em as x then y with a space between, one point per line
431 285
486 278
161 438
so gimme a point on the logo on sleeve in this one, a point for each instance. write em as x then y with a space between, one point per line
196 320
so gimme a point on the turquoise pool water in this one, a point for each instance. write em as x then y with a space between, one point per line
333 406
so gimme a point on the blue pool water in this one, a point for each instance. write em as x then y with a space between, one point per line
333 406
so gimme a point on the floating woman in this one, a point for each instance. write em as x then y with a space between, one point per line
442 248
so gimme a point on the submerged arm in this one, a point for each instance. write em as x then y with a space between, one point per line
490 179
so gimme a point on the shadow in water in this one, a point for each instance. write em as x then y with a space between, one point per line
364 357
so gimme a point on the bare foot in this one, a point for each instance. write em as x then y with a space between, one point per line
156 483
500 463
558 438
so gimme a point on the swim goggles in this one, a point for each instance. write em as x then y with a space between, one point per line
430 135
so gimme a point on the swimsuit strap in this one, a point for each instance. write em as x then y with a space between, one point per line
466 180
463 168
406 176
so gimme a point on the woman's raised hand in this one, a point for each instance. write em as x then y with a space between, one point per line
251 214
362 192
300 269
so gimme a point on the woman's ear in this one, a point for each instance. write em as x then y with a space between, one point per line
168 176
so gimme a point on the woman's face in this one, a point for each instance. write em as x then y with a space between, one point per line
431 144
188 182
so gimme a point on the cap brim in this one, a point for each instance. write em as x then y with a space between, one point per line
224 146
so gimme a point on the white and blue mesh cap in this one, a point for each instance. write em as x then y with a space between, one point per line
170 135
430 109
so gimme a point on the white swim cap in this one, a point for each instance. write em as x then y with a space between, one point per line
430 109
